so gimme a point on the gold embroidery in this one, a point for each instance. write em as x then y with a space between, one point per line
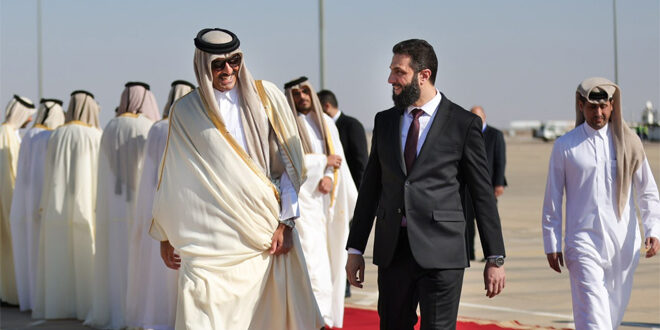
78 122
129 114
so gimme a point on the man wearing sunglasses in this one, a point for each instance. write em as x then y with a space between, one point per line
227 199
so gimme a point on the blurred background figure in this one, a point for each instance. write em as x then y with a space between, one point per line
18 113
27 195
496 158
120 159
66 241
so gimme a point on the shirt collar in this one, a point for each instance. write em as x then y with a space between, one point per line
430 106
336 116
483 128
230 95
603 132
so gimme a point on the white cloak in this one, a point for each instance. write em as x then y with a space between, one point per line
24 210
323 228
219 210
9 149
152 287
120 160
66 241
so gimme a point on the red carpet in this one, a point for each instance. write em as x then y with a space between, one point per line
364 319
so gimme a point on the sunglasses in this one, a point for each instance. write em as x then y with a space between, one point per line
234 62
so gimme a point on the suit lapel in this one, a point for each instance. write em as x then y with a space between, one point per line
435 130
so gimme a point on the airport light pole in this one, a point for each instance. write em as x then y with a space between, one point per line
321 46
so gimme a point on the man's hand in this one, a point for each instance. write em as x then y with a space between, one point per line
499 190
325 185
171 259
355 268
334 161
555 259
282 240
652 245
494 279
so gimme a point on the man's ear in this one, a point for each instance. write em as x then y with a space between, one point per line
424 75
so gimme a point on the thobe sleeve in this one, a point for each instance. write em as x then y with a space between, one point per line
330 171
157 232
289 199
647 200
552 203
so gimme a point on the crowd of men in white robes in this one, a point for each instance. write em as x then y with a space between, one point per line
76 210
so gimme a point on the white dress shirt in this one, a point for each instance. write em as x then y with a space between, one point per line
583 163
336 116
230 111
427 117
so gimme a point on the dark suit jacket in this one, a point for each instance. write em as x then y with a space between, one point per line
430 195
354 141
495 155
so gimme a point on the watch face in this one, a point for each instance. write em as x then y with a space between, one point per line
499 262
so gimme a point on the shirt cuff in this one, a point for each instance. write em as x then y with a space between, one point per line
354 251
289 207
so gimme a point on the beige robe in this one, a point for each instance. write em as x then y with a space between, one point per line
219 210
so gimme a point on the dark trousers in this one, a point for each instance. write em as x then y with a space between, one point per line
404 284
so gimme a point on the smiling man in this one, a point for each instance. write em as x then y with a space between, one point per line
598 164
423 151
227 199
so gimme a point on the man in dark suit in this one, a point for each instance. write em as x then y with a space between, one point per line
423 151
496 157
351 133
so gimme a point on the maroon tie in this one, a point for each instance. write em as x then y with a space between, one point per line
410 151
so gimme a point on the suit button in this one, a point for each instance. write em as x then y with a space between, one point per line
407 183
398 211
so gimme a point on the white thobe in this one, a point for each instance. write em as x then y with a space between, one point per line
24 209
120 160
601 251
152 287
66 241
323 227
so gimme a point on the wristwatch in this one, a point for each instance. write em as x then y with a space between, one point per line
498 261
290 222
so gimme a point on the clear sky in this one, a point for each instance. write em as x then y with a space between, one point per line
519 59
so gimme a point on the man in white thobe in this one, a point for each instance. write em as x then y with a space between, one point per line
120 160
18 113
598 164
327 200
27 194
227 199
151 293
66 214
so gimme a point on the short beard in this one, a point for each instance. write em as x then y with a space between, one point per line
409 94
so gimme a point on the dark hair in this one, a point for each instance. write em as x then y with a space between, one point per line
422 55
327 96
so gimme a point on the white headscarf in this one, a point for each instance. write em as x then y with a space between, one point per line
179 89
138 98
50 114
84 108
629 150
19 110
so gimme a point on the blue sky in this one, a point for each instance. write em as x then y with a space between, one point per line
520 60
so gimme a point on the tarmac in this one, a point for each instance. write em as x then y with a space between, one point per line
535 296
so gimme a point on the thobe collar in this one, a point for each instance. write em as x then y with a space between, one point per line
591 132
336 116
230 95
430 106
